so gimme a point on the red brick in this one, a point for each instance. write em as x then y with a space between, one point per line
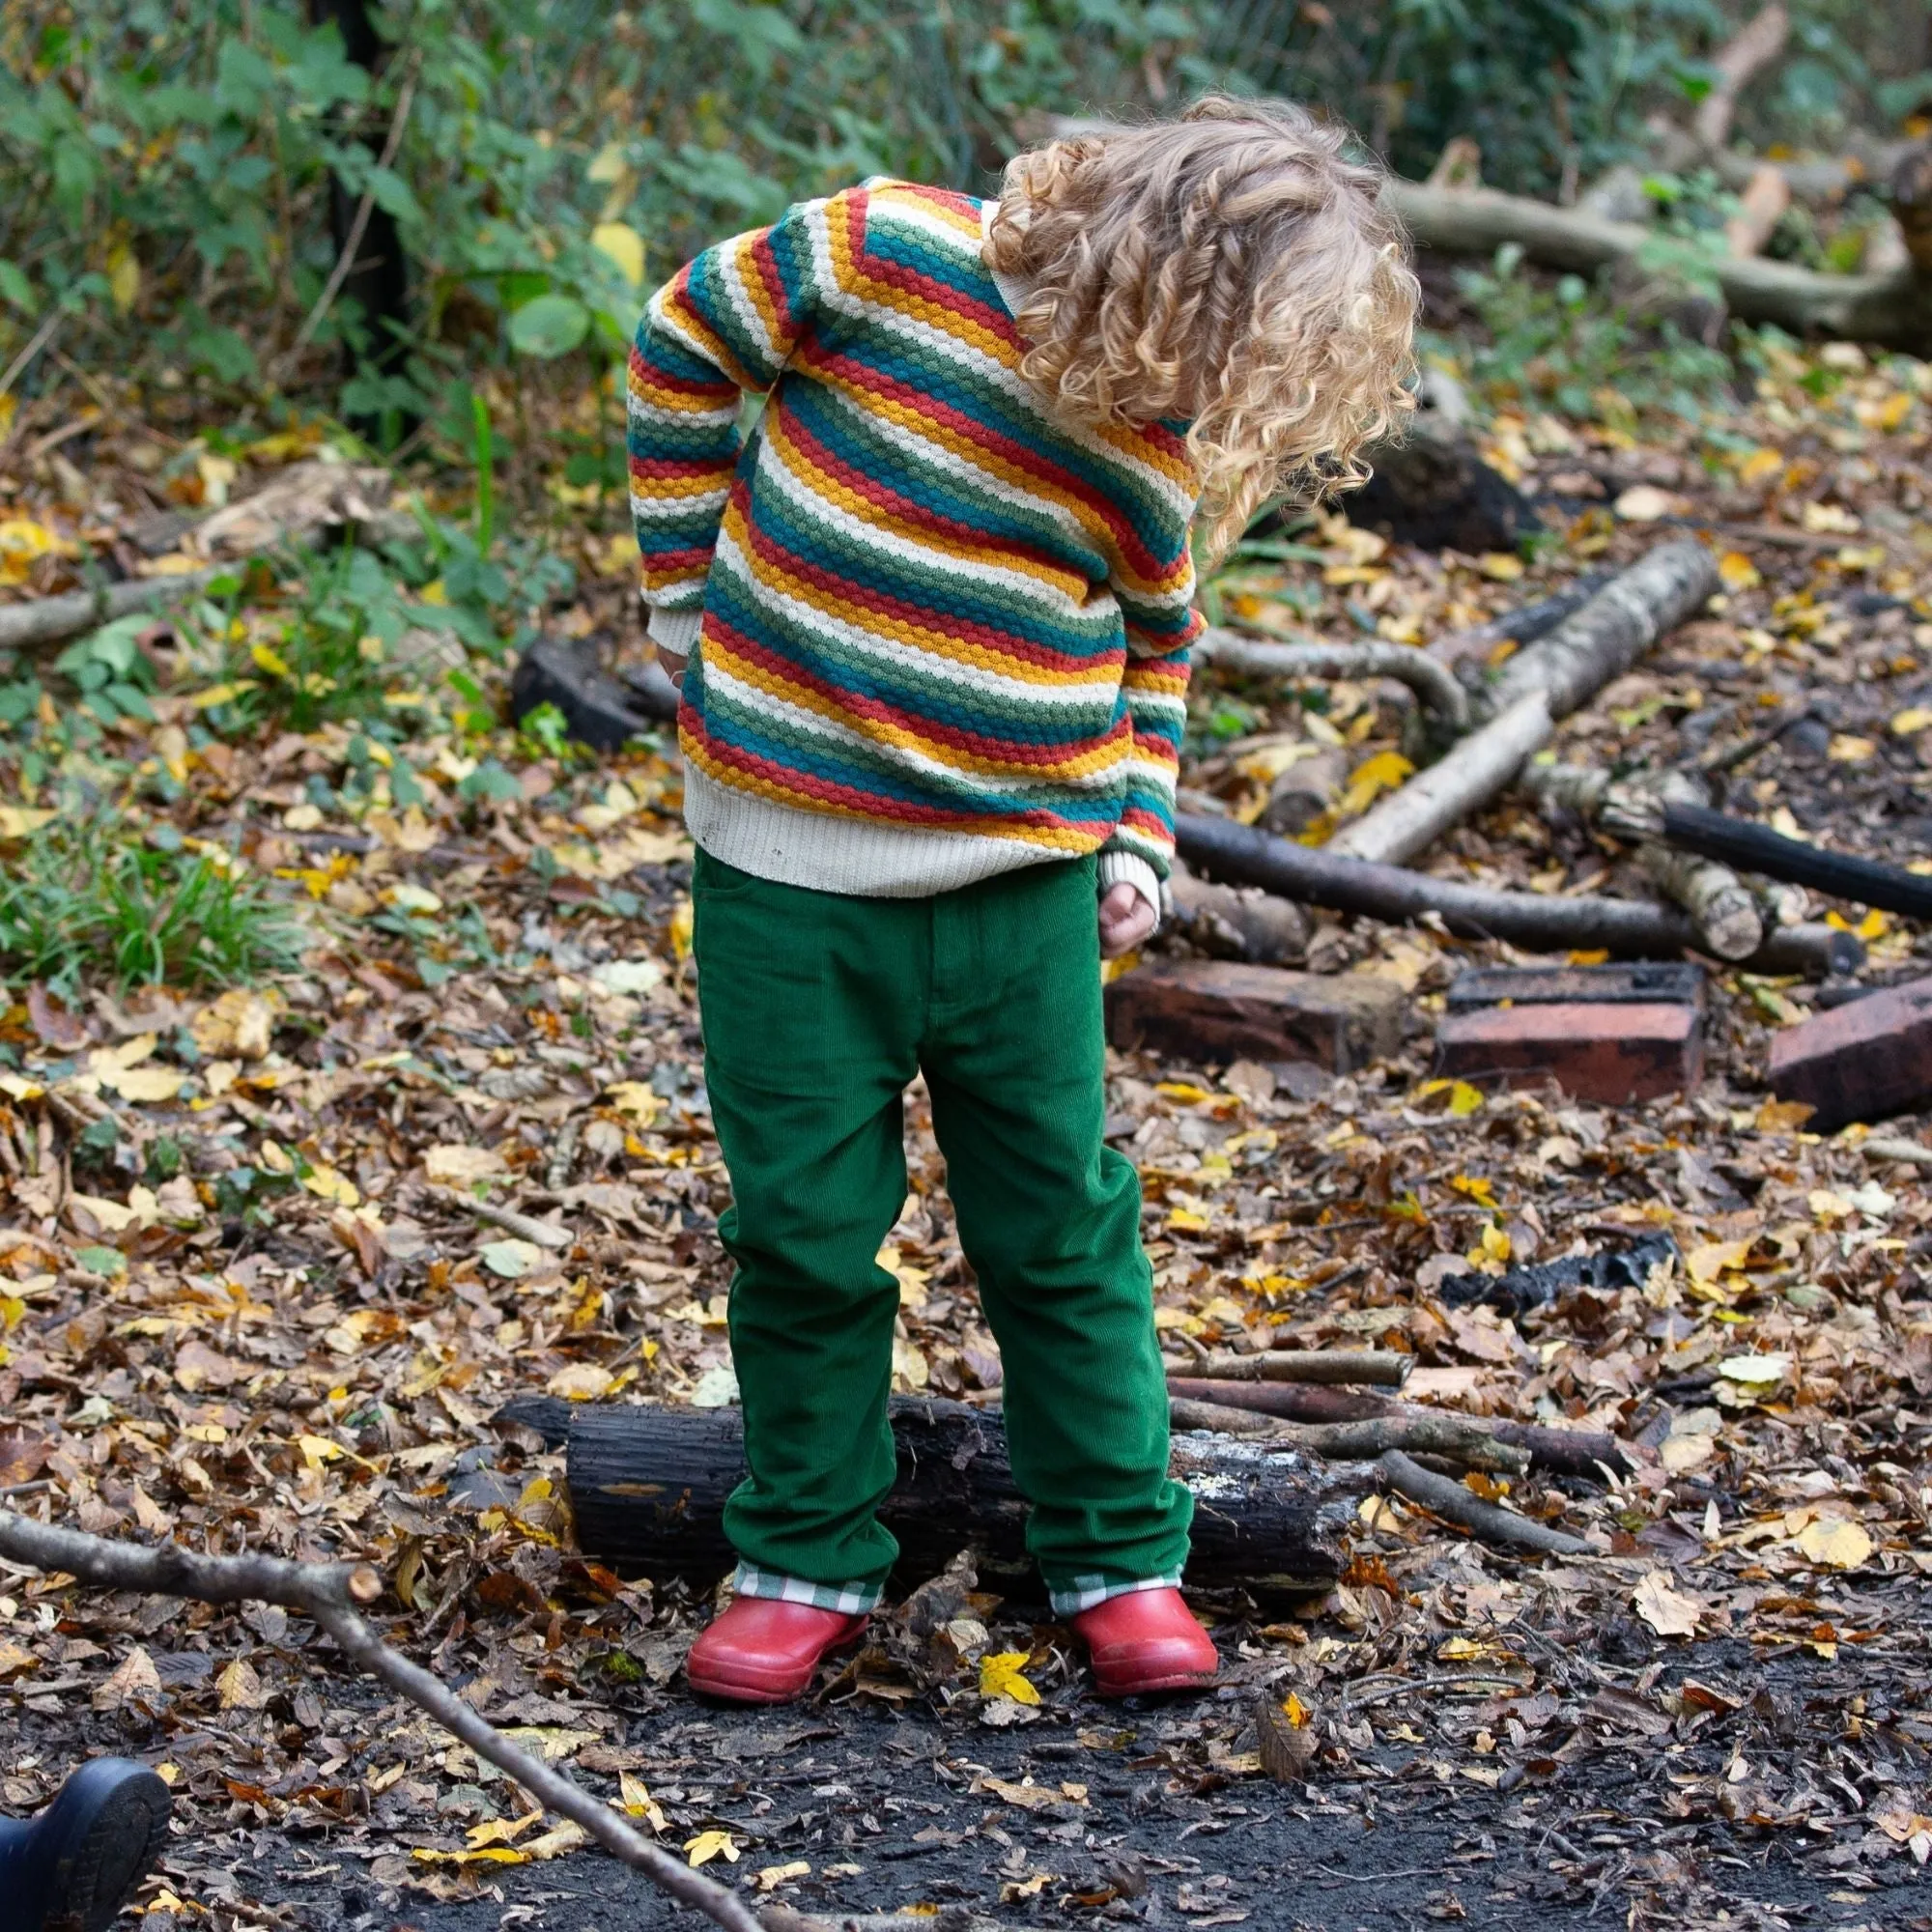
1215 1009
1611 1052
1858 1061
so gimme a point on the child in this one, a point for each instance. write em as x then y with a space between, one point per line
932 628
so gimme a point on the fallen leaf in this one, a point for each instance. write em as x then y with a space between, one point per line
461 1165
1003 1674
1835 1543
709 1845
1668 1611
512 1259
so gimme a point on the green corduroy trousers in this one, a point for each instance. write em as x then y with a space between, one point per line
818 1009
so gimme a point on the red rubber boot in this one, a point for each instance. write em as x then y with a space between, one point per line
1147 1640
764 1651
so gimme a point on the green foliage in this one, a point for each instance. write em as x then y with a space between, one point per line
1576 349
88 900
164 165
1554 91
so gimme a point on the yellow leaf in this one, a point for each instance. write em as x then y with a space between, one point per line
1783 1117
581 1381
1738 572
1500 565
318 1449
124 276
1465 1099
1874 925
1184 1091
1913 720
21 540
1893 410
326 1184
266 658
635 1098
635 1796
1589 955
1760 466
709 1845
1183 1221
620 242
221 693
239 1688
681 923
20 821
148 1083
1835 1543
1373 776
1003 1674
1496 1243
1475 1187
1705 1263
1294 1711
770 1877
1847 748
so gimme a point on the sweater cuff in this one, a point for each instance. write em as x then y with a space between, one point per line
1132 869
675 630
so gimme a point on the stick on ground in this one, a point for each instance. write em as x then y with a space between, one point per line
1453 1503
329 1592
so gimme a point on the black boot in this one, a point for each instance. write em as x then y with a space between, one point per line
70 1868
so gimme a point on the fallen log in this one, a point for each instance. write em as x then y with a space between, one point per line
1411 818
52 620
1892 308
1521 626
1292 1402
1434 686
1628 928
647 1490
1724 909
1376 1367
1238 923
1540 684
1757 849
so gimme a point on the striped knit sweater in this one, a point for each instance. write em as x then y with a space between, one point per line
936 634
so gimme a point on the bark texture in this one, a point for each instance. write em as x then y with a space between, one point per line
647 1487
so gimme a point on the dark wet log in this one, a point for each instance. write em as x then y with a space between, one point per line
647 1488
1628 928
1756 848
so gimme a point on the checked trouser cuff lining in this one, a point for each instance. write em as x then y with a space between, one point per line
1087 1593
851 1599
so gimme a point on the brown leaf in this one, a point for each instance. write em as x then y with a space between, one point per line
135 1682
1287 1737
22 1457
58 1028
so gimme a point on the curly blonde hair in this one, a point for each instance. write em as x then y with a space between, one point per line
1233 267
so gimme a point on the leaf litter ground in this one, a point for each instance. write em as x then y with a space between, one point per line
255 1295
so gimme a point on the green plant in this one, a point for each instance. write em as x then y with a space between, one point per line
1564 346
86 900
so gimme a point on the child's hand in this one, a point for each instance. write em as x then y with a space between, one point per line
1125 920
674 665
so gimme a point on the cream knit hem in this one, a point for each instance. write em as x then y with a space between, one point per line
826 853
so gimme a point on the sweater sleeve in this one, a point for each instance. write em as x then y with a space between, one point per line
1153 582
724 326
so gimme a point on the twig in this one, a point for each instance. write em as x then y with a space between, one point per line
357 228
38 341
50 621
1897 1150
328 1592
1383 1693
1434 684
1374 1436
1376 1367
1454 1503
1756 848
1713 763
544 1234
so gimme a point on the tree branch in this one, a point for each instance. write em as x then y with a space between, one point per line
328 1592
1454 1503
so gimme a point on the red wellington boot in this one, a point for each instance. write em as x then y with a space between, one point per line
1147 1640
764 1651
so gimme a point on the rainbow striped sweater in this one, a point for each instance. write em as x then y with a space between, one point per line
933 634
